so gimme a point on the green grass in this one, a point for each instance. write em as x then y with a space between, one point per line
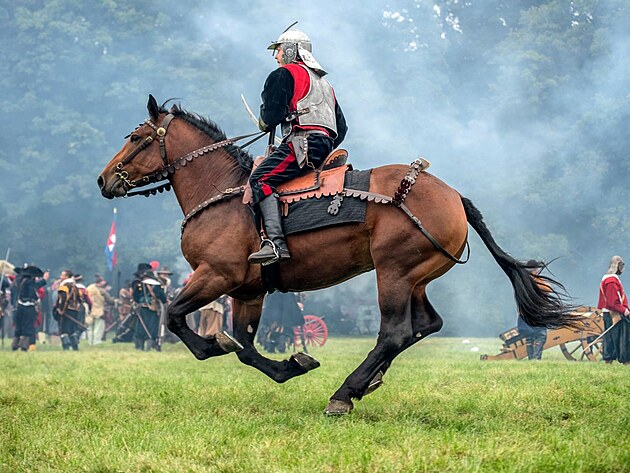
110 408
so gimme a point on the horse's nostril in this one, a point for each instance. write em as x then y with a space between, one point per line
100 181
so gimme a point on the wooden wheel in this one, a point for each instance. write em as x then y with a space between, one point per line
314 330
578 350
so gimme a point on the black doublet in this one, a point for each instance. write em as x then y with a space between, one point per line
276 96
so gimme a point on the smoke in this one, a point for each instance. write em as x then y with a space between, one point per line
529 126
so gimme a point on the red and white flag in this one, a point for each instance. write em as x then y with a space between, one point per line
110 247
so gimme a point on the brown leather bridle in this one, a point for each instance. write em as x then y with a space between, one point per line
163 173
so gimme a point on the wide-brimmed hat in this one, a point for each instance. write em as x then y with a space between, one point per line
143 268
6 268
30 271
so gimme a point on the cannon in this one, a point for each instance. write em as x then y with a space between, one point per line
581 343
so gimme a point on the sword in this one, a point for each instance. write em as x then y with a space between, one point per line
254 120
72 319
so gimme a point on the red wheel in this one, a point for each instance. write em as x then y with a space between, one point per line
314 330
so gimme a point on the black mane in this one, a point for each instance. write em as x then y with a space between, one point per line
210 128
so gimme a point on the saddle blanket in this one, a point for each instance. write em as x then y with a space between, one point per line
309 214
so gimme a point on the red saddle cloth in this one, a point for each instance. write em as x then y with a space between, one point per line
327 180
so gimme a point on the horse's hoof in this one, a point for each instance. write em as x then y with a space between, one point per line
227 343
338 408
376 383
305 361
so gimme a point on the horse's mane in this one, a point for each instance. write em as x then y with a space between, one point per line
210 128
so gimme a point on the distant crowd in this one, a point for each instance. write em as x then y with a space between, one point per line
37 309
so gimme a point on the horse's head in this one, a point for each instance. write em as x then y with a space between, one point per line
141 159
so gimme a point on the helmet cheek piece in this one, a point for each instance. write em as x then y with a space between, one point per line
289 52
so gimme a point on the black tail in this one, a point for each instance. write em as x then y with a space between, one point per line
537 307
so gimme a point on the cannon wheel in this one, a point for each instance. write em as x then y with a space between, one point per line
314 330
578 350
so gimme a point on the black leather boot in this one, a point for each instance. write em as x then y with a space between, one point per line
24 343
65 341
74 340
15 344
274 248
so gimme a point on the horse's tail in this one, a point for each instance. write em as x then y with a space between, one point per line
538 307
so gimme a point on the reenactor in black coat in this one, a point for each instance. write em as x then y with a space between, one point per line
147 294
29 279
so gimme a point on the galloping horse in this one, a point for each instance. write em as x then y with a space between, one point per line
207 172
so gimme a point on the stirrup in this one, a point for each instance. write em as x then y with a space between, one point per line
274 248
273 259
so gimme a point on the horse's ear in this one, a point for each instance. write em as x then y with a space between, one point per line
152 107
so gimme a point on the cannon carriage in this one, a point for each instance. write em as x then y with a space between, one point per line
577 344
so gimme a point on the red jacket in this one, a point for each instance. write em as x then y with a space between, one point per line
611 295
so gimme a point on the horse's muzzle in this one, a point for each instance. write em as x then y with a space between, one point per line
111 190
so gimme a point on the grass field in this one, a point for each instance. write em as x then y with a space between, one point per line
110 408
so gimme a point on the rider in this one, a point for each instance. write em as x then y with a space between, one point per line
297 98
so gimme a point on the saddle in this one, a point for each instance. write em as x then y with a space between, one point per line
326 180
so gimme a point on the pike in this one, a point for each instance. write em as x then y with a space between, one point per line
601 335
6 258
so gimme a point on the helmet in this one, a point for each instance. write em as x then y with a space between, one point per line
296 43
614 265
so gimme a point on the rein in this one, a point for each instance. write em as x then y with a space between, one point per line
162 174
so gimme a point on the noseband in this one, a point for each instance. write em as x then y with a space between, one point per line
162 174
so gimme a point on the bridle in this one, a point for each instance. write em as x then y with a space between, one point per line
163 173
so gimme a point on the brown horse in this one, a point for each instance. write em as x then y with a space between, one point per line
207 172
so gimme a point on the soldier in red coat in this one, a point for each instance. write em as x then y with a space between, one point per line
303 103
613 301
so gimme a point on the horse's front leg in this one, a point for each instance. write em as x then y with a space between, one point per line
245 319
203 287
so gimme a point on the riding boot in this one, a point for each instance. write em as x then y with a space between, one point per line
274 248
15 344
65 341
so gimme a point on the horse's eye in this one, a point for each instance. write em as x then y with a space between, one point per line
134 138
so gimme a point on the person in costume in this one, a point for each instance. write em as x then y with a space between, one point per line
68 311
298 98
614 303
29 279
148 294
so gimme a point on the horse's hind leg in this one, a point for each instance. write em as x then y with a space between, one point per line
201 289
424 321
246 316
396 333
401 330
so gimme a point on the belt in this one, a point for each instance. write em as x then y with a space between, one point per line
26 303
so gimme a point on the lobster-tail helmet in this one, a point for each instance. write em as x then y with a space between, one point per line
615 262
297 45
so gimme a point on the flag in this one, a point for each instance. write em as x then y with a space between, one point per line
110 247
